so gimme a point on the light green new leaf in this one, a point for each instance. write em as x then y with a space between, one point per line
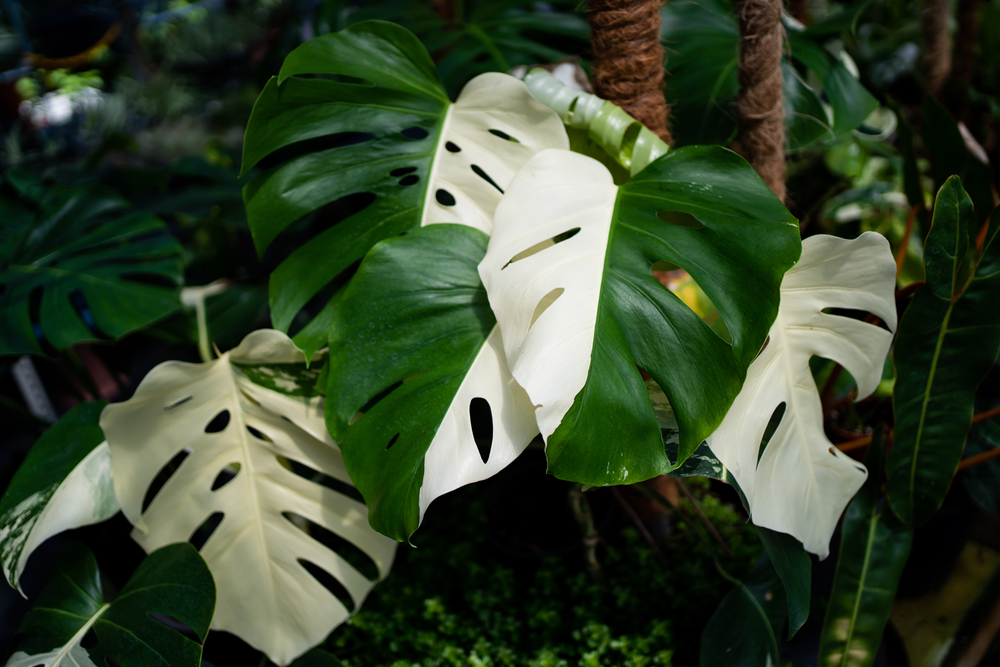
248 412
374 136
744 630
64 483
800 483
569 275
171 582
948 340
873 550
100 269
415 347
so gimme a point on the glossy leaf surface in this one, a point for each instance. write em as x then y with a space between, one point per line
260 467
794 567
948 340
415 347
569 275
799 484
372 145
873 550
99 269
64 482
172 582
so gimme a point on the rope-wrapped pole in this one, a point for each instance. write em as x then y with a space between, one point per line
937 53
628 59
759 106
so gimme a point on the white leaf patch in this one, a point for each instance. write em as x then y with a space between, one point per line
490 132
270 514
85 497
803 483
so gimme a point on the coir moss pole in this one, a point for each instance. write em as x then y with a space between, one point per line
628 59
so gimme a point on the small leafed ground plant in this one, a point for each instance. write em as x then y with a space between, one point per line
480 285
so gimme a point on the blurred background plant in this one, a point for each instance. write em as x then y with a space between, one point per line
150 99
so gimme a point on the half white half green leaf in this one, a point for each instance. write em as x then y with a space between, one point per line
569 275
64 483
372 135
254 468
171 584
800 484
415 348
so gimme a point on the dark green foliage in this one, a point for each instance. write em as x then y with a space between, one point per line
948 340
79 265
794 567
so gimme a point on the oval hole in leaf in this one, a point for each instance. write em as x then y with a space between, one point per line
347 550
684 287
339 78
201 534
862 315
219 423
542 245
486 177
503 135
452 148
175 625
392 442
89 640
402 171
257 434
444 198
180 401
78 301
412 179
772 427
481 416
317 477
226 475
313 145
166 472
414 133
329 582
680 219
322 297
544 304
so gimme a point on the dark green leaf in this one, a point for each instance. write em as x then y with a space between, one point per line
794 566
317 658
744 630
97 267
946 343
171 582
412 344
64 482
846 20
873 550
982 481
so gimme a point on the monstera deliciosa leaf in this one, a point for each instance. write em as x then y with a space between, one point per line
415 347
171 584
64 483
253 467
801 483
88 264
569 275
359 129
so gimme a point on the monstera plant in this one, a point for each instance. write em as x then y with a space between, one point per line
472 270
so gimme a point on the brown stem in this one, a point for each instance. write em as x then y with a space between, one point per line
759 106
982 457
628 59
580 506
965 44
625 505
937 54
904 245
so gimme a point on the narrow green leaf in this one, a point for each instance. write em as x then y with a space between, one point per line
64 482
744 630
873 550
947 341
794 566
172 582
414 345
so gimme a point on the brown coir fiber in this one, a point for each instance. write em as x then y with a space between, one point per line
759 106
628 59
937 51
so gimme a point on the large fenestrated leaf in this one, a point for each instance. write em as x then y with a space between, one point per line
374 138
64 483
800 483
171 582
414 346
948 340
873 550
265 554
98 267
569 275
